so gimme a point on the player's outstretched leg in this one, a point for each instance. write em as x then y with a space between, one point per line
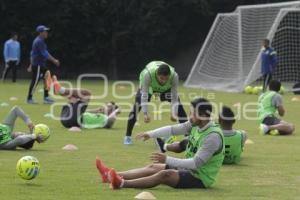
167 177
82 94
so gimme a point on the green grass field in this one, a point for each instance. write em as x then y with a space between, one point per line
268 170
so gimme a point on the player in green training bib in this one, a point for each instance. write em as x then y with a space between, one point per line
10 140
75 113
199 169
234 139
269 103
159 79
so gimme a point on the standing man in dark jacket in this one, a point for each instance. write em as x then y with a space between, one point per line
268 62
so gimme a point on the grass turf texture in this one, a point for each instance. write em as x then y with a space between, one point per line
268 170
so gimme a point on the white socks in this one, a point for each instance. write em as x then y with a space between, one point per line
165 147
122 183
62 90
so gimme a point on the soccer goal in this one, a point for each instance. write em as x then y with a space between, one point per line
230 56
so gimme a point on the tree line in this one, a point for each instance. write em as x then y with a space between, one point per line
114 37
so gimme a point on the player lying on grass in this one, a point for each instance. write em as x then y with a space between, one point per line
234 139
10 140
269 103
75 112
203 156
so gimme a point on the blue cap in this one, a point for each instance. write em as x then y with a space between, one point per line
42 28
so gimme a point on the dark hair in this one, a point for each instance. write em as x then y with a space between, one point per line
275 85
267 41
163 70
202 106
12 34
227 115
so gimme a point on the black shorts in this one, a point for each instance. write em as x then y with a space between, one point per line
71 114
271 120
187 180
164 96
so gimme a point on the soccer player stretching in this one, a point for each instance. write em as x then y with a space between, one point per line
157 78
203 156
268 103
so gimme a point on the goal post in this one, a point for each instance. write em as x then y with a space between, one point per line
230 56
285 39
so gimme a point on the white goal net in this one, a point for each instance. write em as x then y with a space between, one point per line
230 56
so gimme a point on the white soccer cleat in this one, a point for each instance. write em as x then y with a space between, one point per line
263 129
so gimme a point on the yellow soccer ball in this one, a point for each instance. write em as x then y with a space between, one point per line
248 89
282 90
28 167
255 90
42 130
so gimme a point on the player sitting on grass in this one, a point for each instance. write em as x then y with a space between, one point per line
75 113
10 140
203 156
234 139
268 103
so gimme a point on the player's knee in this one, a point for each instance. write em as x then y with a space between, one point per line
292 128
166 174
153 168
15 108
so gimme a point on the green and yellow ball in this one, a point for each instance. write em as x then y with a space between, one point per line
28 167
42 130
248 89
256 89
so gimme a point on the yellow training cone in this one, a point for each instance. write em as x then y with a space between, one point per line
70 147
238 104
295 99
145 195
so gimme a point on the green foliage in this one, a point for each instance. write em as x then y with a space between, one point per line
112 36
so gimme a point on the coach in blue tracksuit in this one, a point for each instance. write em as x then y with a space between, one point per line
268 62
38 58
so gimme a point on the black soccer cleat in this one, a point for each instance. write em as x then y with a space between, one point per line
160 144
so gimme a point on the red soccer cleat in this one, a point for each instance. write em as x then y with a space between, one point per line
48 79
103 170
56 85
115 179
